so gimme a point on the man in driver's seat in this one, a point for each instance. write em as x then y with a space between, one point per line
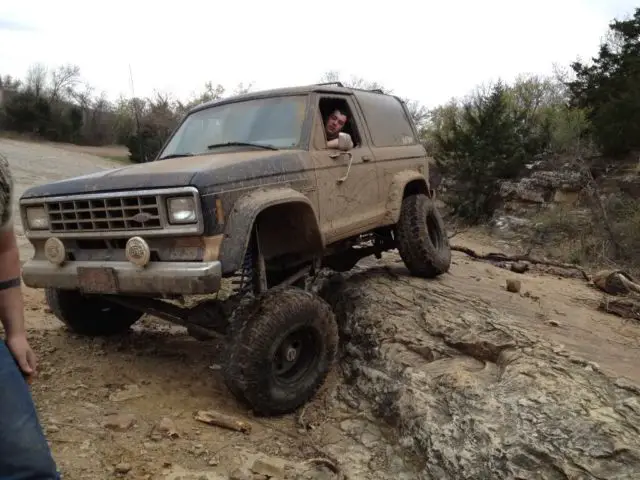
333 126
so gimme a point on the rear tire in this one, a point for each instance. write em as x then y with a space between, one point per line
423 243
90 315
281 348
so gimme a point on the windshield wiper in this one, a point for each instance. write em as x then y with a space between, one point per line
241 144
176 155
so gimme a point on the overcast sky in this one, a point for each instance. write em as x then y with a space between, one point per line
422 49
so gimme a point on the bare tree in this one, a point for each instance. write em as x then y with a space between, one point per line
353 82
9 82
241 89
332 76
36 80
63 81
83 97
210 92
419 113
590 187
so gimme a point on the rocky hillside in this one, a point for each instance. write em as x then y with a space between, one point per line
552 183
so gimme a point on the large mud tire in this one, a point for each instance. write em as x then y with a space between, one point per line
90 315
279 322
423 243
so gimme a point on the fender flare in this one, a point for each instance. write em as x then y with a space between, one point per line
245 210
396 193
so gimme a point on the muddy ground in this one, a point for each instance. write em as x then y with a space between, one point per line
124 406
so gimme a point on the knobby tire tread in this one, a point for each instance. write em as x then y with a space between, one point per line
421 257
247 370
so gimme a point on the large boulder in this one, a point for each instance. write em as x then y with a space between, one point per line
542 186
473 396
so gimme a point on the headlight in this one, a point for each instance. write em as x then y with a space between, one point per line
181 210
37 218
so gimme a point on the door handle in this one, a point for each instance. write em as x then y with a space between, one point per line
366 158
342 179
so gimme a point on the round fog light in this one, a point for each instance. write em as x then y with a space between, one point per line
138 251
54 251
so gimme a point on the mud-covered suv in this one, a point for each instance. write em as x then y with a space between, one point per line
247 193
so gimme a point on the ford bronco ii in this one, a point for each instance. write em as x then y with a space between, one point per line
246 192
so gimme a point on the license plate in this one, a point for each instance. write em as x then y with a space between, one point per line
98 279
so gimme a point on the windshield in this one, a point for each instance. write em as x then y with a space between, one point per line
271 122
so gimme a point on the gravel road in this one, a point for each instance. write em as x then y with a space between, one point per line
34 163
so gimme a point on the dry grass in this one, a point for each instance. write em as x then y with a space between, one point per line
578 237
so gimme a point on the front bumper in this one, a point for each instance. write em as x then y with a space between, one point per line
184 278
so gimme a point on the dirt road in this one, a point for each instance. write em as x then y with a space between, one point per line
37 163
124 406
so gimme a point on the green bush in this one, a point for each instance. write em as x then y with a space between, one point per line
484 144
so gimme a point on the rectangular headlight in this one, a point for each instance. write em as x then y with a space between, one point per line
181 210
37 218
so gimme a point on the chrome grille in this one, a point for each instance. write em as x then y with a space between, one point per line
139 212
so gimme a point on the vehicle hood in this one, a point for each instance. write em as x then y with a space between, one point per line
205 172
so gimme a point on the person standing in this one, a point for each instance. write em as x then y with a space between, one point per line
24 451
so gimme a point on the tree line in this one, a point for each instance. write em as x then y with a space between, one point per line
478 141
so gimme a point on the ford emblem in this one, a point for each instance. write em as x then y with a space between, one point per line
141 217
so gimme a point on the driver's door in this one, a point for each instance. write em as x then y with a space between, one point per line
351 204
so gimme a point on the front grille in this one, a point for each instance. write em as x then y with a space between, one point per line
139 212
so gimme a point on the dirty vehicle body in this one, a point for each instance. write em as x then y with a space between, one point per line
245 192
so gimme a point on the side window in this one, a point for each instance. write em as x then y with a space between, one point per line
386 119
337 110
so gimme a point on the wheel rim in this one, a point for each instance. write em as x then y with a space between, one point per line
435 235
295 356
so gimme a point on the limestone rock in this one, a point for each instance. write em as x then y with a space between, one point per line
120 422
268 466
513 285
471 394
177 472
122 468
166 427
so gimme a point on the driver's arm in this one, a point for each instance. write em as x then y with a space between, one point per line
333 143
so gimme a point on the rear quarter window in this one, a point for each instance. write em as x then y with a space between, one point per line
386 119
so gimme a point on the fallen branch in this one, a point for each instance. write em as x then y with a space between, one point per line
306 443
501 257
631 286
616 282
622 307
221 420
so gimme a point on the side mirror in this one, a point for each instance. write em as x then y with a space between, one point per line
345 143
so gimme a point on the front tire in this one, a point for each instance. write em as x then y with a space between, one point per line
423 243
281 349
90 315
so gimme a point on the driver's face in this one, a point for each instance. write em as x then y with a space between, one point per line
335 122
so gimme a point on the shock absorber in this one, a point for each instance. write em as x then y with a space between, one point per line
246 278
